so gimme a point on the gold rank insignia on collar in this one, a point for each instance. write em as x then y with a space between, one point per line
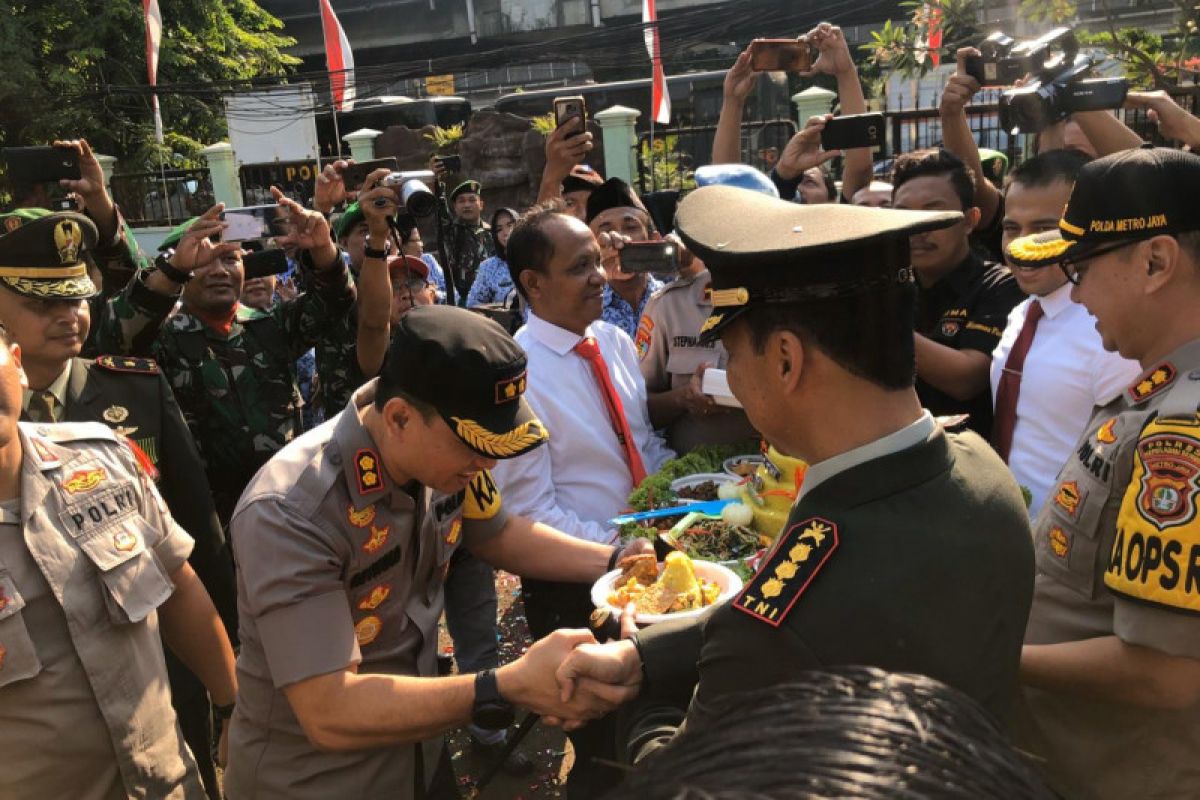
145 366
786 573
366 471
1153 382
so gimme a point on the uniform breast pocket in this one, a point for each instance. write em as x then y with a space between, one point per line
1068 531
135 583
18 658
686 360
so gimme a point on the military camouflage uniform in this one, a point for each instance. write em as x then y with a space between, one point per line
466 248
336 356
238 391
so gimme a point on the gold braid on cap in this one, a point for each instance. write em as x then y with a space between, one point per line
505 445
1028 250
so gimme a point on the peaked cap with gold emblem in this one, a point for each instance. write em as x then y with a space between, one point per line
1120 198
762 250
43 256
468 368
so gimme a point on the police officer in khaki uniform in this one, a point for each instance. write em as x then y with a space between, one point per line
1111 663
668 343
342 543
90 562
50 318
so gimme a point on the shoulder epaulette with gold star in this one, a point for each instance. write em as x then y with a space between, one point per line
1153 382
797 558
143 366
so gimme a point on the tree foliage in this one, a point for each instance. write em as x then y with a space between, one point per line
66 67
1148 59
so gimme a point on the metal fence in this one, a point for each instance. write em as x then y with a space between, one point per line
680 150
162 198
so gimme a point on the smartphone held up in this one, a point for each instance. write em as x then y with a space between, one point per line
781 55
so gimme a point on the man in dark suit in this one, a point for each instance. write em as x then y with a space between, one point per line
45 310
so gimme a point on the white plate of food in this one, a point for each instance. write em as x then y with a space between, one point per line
693 488
689 586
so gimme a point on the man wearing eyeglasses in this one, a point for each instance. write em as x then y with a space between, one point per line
1111 663
411 285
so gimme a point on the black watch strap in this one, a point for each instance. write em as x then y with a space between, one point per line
612 559
369 252
163 264
223 712
490 711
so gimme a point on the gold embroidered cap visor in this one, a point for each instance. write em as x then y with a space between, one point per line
762 250
468 368
43 257
1121 198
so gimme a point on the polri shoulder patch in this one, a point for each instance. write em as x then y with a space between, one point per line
1153 382
144 366
802 551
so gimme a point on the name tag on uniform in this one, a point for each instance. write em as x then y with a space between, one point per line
99 510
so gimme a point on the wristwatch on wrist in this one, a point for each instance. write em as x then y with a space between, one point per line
369 252
491 711
223 712
163 264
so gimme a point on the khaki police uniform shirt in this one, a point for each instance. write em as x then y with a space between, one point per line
669 350
1118 553
86 556
337 567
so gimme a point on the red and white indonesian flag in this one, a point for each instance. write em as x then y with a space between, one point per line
339 59
660 103
153 38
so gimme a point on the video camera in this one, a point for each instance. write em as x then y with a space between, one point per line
1054 95
1002 62
412 191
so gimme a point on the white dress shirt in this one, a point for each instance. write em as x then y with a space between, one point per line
579 479
1067 373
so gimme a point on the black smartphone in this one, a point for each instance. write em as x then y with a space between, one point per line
450 163
853 130
41 164
264 262
568 108
780 55
660 257
354 175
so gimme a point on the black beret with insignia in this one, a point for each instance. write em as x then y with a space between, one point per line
762 250
1121 198
466 187
43 256
468 368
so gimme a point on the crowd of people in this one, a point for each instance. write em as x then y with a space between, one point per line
988 584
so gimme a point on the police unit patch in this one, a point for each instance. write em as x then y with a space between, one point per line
367 630
1067 498
84 480
366 469
360 519
1060 543
787 572
375 598
1155 381
949 327
1155 556
483 497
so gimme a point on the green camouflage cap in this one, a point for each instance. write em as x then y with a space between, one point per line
14 219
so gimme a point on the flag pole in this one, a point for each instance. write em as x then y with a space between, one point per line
337 134
162 165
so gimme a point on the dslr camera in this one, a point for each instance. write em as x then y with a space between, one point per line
1052 95
1002 62
412 191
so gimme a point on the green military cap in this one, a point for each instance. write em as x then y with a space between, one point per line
175 235
18 217
42 256
468 368
995 164
352 216
466 187
761 250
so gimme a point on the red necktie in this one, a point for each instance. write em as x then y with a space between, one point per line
590 351
1009 389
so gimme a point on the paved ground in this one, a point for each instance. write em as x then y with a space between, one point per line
547 747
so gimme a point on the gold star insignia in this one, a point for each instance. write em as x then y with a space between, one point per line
800 553
1144 387
785 571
